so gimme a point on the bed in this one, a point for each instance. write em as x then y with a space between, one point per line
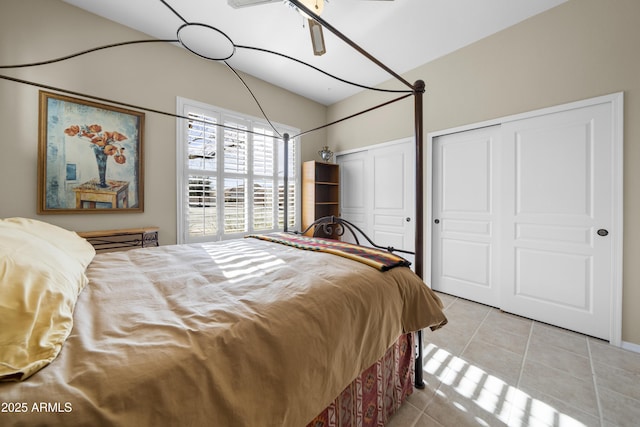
260 331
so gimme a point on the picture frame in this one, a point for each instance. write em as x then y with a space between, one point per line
90 157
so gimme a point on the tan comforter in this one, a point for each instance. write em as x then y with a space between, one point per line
241 333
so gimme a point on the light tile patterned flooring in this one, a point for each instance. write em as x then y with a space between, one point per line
489 368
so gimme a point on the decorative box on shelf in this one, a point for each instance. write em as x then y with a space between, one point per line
122 239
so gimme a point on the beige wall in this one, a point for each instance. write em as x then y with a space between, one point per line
579 50
149 75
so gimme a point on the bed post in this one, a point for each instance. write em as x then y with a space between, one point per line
419 242
285 138
418 89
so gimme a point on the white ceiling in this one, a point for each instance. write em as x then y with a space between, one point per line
403 34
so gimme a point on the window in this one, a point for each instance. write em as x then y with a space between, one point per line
231 174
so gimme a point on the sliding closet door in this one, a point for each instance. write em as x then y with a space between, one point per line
558 198
393 196
354 191
526 215
466 205
378 192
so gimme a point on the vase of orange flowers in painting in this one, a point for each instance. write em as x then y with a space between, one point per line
104 145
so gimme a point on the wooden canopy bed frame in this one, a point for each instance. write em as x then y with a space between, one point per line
76 376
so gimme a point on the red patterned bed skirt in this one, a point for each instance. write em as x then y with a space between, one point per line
377 393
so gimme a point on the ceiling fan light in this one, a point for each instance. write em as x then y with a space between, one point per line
317 38
315 6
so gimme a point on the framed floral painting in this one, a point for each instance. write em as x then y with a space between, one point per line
90 157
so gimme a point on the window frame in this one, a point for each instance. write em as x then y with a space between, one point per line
183 107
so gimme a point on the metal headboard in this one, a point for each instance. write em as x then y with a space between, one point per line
333 225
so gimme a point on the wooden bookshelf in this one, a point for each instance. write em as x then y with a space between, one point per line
320 192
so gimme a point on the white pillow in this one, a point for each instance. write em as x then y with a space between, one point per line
42 272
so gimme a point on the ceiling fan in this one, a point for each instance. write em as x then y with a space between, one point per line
316 6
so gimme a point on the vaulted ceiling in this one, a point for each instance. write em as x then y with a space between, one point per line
403 34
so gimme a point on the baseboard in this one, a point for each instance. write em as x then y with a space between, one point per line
631 346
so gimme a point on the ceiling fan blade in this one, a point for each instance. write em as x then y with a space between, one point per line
244 3
317 38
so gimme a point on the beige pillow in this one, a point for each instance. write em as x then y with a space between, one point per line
42 272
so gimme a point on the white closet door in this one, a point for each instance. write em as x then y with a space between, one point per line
354 191
557 212
393 202
466 198
529 213
377 188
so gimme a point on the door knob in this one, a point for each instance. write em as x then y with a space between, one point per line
437 221
407 219
602 232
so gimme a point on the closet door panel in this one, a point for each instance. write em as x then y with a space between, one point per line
393 213
557 195
378 193
354 190
466 197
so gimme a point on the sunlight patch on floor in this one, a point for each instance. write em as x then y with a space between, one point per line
490 393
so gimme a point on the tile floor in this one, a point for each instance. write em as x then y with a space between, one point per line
489 368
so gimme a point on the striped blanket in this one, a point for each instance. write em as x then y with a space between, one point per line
382 260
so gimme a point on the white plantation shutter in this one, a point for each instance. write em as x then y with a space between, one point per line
202 141
263 178
201 215
263 206
292 184
263 152
232 176
235 147
235 205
